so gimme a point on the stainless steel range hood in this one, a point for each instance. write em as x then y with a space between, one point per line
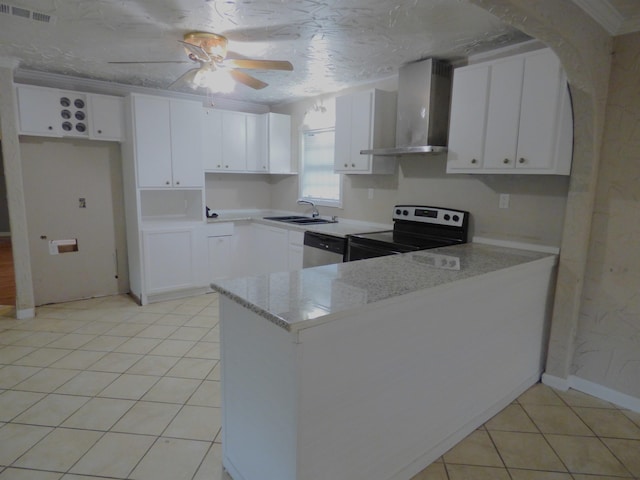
424 95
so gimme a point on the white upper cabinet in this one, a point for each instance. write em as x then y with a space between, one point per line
468 118
186 144
257 154
49 112
39 111
279 142
212 139
238 142
234 142
106 117
364 120
511 115
168 142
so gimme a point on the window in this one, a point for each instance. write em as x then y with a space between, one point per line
318 183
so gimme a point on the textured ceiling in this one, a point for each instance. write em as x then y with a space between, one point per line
332 44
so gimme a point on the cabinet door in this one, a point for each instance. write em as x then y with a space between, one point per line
234 142
106 117
539 111
279 140
270 249
152 130
168 260
342 146
361 130
212 140
186 144
220 257
39 111
468 118
503 115
257 146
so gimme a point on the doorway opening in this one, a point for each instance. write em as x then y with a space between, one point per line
7 273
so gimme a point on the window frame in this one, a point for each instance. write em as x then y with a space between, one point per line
323 202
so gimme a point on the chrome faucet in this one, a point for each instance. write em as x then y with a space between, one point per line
314 213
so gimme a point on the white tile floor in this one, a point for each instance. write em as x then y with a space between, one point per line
106 389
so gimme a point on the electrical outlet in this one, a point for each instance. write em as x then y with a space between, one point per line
82 202
504 200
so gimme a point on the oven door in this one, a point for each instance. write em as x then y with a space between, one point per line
358 249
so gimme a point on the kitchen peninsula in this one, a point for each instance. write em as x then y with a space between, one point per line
373 369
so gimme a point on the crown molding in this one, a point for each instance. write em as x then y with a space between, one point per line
630 26
66 82
604 13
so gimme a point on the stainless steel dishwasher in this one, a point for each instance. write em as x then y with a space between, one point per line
322 249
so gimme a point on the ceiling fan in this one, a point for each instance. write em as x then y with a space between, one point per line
217 72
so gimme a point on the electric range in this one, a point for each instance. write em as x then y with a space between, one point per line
415 227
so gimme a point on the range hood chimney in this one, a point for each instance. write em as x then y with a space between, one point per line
424 96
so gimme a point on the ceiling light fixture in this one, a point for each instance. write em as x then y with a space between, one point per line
214 79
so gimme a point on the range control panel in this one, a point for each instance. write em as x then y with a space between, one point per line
432 215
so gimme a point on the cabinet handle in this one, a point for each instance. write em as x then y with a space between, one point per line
505 161
50 127
100 132
346 165
167 182
226 166
474 161
219 166
178 182
353 165
521 160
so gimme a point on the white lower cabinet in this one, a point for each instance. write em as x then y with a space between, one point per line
296 245
169 259
270 249
220 251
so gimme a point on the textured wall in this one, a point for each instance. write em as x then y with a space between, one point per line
608 341
584 48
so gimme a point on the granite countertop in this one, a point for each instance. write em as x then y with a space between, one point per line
304 298
342 228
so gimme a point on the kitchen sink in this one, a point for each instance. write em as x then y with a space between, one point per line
300 220
306 221
288 218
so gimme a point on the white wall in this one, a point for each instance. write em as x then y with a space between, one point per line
244 191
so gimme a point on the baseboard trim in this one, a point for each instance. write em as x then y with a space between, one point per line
558 383
594 389
25 313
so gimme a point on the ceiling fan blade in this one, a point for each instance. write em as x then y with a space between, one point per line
149 61
259 64
247 80
185 78
197 51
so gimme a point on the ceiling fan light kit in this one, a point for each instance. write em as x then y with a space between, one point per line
216 73
213 44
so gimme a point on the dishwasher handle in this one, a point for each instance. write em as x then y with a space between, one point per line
329 243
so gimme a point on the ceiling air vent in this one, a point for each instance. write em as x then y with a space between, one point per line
25 13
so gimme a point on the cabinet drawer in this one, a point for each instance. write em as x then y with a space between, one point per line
219 229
